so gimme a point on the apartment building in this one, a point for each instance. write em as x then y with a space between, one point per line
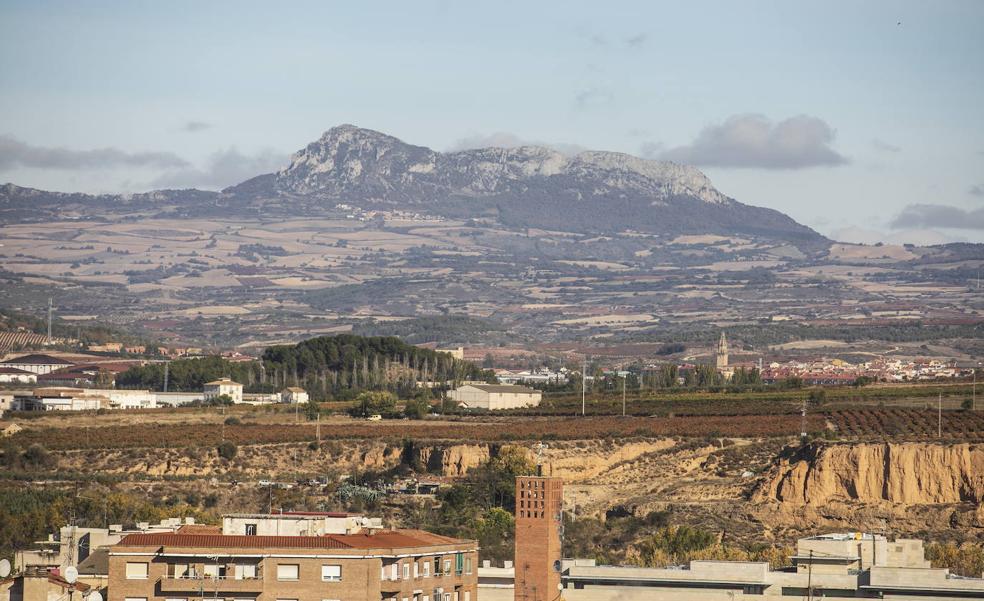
369 564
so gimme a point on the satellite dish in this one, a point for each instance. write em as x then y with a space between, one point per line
4 568
94 596
71 574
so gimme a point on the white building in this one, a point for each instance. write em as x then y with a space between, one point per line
36 364
495 396
225 386
126 399
13 375
176 399
844 565
294 394
297 523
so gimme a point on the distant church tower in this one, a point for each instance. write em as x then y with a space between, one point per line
722 352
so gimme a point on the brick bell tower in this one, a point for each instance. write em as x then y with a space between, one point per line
539 521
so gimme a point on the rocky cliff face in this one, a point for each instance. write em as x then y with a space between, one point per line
522 187
351 161
904 473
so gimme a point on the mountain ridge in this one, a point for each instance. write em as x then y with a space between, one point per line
522 187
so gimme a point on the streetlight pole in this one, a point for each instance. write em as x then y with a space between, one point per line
584 385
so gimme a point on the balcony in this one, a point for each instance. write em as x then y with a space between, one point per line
222 584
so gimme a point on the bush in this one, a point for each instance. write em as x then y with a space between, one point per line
416 409
967 404
232 420
227 450
37 456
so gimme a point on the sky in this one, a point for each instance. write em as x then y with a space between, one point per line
863 120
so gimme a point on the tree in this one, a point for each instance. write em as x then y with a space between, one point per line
312 410
416 409
372 402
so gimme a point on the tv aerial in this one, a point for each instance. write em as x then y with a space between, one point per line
4 568
71 574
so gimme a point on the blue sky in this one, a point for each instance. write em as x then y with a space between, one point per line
860 119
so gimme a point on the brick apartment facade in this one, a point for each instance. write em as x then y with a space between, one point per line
539 507
396 565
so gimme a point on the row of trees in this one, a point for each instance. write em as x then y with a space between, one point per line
328 367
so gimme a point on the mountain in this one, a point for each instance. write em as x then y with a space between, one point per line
529 186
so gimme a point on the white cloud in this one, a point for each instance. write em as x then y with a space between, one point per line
750 140
15 153
224 168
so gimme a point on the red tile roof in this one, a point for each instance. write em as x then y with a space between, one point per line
387 539
37 360
232 541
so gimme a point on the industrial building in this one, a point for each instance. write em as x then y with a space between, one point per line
495 396
845 565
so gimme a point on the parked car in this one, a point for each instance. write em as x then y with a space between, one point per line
375 417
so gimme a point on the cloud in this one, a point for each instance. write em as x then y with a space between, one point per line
885 146
504 139
750 140
593 97
224 168
14 153
192 127
637 41
930 215
976 190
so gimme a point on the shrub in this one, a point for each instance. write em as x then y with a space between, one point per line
232 420
227 450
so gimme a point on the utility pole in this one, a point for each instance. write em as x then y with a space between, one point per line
50 310
973 391
939 417
318 430
809 578
624 378
584 385
803 420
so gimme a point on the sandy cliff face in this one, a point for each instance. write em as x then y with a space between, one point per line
904 473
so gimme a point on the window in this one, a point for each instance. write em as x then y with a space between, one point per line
459 563
447 596
331 573
178 570
395 571
447 566
135 599
406 572
437 566
250 529
467 596
288 571
245 571
136 571
212 570
468 566
427 572
416 570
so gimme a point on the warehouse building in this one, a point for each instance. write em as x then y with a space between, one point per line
495 396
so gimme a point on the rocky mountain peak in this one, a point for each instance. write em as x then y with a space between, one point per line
350 161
